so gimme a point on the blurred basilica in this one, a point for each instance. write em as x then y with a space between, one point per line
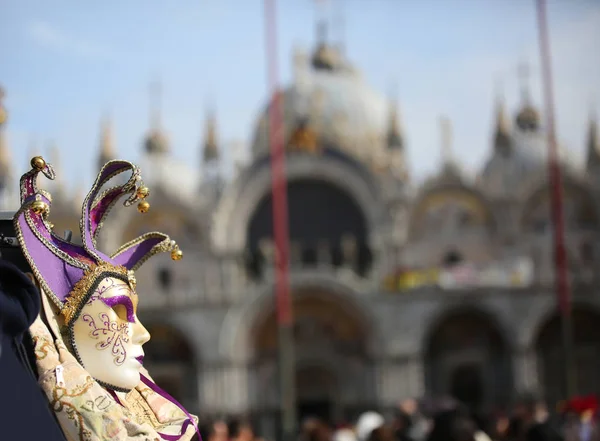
398 289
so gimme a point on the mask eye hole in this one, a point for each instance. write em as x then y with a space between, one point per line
121 311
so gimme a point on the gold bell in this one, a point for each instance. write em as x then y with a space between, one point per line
38 163
176 254
143 206
143 192
39 207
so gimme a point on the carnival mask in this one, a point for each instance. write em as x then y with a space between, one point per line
107 336
94 293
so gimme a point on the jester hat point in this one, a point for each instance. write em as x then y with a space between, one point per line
68 272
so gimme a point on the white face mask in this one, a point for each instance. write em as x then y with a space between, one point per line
107 336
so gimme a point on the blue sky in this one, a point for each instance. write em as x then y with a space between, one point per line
66 63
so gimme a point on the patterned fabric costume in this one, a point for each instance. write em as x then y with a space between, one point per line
72 277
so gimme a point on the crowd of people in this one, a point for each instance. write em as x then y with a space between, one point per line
444 420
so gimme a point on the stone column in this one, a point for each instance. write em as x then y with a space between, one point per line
210 390
399 379
223 388
240 277
267 248
525 370
349 250
295 254
323 254
379 254
415 374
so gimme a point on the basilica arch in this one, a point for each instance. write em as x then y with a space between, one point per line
586 353
455 209
322 216
449 224
467 355
335 169
336 340
331 352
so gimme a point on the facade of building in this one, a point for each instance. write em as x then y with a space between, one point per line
398 289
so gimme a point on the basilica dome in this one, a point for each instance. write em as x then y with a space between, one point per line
509 170
339 106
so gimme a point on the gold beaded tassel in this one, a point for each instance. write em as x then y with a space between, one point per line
38 206
143 193
176 254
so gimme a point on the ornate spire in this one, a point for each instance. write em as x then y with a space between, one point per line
528 118
210 147
395 140
450 169
502 125
340 27
593 142
5 159
54 157
523 72
446 140
3 112
107 147
325 57
156 141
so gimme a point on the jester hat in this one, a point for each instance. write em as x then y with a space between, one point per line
68 273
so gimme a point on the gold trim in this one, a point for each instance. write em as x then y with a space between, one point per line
138 183
24 210
47 171
82 288
130 185
166 245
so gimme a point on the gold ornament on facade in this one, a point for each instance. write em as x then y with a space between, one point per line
143 206
38 163
304 139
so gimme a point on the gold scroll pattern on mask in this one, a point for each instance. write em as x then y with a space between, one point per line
86 411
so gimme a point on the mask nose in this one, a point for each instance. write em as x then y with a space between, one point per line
141 336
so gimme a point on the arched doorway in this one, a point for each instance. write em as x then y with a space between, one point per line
326 226
586 354
171 362
317 387
332 359
467 357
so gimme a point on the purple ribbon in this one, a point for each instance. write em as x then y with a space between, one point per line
168 397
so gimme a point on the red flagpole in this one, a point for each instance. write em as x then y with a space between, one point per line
287 370
555 177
